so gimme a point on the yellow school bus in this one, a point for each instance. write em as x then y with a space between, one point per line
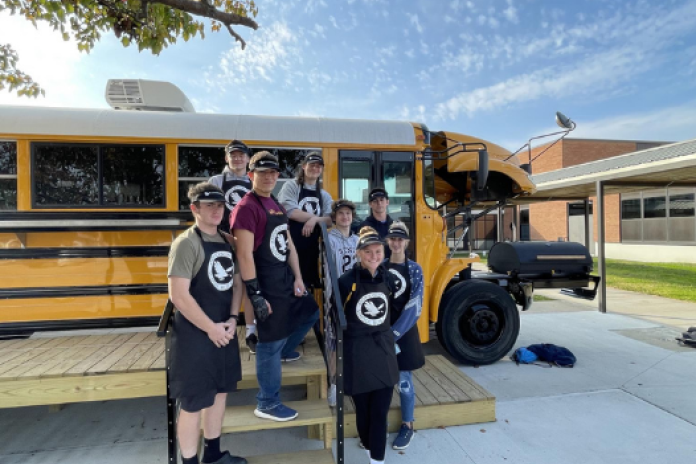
91 199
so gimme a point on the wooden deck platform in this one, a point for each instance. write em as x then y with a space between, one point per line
445 396
72 369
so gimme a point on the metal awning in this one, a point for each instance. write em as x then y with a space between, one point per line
671 165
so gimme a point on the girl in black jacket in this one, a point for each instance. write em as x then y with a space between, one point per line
370 368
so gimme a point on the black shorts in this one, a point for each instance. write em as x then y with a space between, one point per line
199 402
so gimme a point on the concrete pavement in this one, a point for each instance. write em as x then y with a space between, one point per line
630 398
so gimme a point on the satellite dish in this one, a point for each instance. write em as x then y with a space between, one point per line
564 122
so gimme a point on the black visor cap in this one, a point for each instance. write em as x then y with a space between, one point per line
264 165
209 196
314 158
397 232
367 240
238 145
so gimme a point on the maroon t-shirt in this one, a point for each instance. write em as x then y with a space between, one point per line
249 215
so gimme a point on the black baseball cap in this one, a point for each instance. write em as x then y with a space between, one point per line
209 197
369 239
264 161
378 192
397 232
237 145
313 157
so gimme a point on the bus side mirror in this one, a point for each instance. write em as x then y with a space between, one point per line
482 173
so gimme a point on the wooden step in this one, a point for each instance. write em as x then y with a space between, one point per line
445 396
311 412
301 457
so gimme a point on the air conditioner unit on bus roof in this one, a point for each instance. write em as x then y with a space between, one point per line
143 95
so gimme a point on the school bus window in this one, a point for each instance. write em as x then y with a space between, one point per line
197 164
8 175
289 160
65 175
132 175
398 183
429 184
83 175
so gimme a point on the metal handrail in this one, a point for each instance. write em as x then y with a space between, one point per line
336 314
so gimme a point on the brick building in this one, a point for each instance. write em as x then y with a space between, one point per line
650 225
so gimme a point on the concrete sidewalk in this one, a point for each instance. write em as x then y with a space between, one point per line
629 399
664 311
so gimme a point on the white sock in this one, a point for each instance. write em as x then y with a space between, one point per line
250 329
374 461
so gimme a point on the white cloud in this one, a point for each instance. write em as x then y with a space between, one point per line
410 53
592 75
667 124
510 13
456 5
312 5
415 22
271 53
333 21
424 48
318 31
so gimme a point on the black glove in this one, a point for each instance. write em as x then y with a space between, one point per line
257 300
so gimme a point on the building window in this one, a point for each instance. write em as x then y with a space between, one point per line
630 209
85 175
8 175
681 205
524 224
654 207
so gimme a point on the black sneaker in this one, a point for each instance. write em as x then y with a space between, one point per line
251 342
227 458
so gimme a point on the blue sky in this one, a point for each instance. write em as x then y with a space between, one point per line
496 69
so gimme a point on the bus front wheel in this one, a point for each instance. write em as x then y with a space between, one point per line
478 322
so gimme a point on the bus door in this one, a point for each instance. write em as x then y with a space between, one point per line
360 171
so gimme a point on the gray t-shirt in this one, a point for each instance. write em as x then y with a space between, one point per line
290 193
186 254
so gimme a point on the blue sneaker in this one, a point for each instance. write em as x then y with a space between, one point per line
280 413
403 439
294 356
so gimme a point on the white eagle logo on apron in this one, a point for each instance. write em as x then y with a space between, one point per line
310 205
279 242
400 283
221 270
234 196
372 308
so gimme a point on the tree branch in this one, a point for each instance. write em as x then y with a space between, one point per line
236 36
202 9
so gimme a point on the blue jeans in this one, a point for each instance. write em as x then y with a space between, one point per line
407 395
268 363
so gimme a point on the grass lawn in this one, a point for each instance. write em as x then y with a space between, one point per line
677 281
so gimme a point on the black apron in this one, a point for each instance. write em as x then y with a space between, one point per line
307 248
277 280
369 353
411 356
234 189
197 365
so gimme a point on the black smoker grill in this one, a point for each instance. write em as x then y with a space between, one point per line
565 265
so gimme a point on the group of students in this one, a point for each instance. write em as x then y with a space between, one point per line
249 249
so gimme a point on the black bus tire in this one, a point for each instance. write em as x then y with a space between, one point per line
478 322
444 301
